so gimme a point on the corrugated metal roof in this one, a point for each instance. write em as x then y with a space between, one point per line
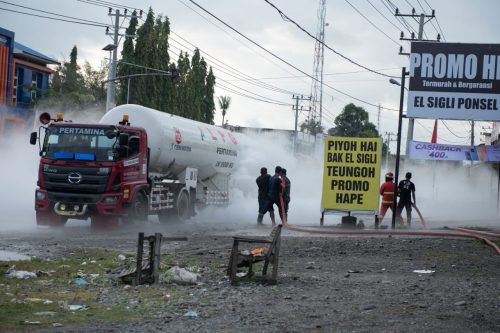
24 49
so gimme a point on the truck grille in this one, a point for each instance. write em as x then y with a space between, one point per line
84 180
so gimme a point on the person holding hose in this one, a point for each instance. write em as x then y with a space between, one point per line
263 185
387 191
406 192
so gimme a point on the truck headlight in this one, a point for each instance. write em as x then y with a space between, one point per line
40 195
110 200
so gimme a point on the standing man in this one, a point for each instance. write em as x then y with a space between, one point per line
387 191
263 185
286 193
406 192
273 196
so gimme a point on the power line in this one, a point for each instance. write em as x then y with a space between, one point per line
437 22
46 12
286 62
328 47
243 76
449 130
383 15
234 37
53 18
369 21
108 4
238 77
259 97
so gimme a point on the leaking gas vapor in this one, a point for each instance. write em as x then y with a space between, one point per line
304 171
448 193
19 168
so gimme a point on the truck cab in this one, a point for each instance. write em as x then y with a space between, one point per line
90 170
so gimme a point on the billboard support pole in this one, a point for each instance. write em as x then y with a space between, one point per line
398 149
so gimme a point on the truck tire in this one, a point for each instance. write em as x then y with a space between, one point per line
138 210
183 207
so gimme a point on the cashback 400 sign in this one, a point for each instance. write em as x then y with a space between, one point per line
351 174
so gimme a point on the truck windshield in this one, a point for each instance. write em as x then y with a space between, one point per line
79 143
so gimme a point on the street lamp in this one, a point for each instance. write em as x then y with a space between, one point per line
398 149
396 82
111 75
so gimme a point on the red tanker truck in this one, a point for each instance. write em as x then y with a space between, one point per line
134 163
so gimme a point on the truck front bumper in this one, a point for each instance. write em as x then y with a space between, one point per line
50 207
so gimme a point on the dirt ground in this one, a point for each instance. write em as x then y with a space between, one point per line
325 283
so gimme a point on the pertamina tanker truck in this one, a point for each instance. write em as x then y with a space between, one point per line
135 162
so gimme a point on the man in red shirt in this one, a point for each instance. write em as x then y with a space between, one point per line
387 191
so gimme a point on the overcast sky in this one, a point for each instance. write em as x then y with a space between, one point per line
374 45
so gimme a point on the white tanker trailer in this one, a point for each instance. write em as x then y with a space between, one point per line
136 162
186 156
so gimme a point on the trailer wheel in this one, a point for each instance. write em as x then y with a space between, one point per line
183 206
138 210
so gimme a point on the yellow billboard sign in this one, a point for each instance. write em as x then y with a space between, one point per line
351 175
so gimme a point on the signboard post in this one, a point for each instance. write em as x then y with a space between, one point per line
351 175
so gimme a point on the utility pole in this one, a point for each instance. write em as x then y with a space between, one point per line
378 119
110 97
472 134
296 109
388 134
420 38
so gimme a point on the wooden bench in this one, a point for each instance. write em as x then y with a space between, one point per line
244 258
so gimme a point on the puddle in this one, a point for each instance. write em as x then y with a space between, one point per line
12 256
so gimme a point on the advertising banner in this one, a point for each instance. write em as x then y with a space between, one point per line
351 175
454 81
434 151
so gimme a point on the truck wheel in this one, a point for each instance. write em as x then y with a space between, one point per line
138 210
183 207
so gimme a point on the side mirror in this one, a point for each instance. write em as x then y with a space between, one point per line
123 139
33 137
110 134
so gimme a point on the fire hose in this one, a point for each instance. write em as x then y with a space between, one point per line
460 232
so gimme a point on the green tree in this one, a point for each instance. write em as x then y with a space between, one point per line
72 79
208 106
224 102
144 56
127 56
312 127
353 121
190 94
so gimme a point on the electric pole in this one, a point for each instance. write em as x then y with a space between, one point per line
378 119
388 142
420 38
110 97
296 109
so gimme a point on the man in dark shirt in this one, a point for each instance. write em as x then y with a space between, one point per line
273 195
406 191
263 185
286 193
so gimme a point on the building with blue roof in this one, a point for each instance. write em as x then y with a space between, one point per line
24 79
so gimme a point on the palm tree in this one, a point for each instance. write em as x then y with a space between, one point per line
224 102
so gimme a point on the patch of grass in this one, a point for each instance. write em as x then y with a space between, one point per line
104 296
